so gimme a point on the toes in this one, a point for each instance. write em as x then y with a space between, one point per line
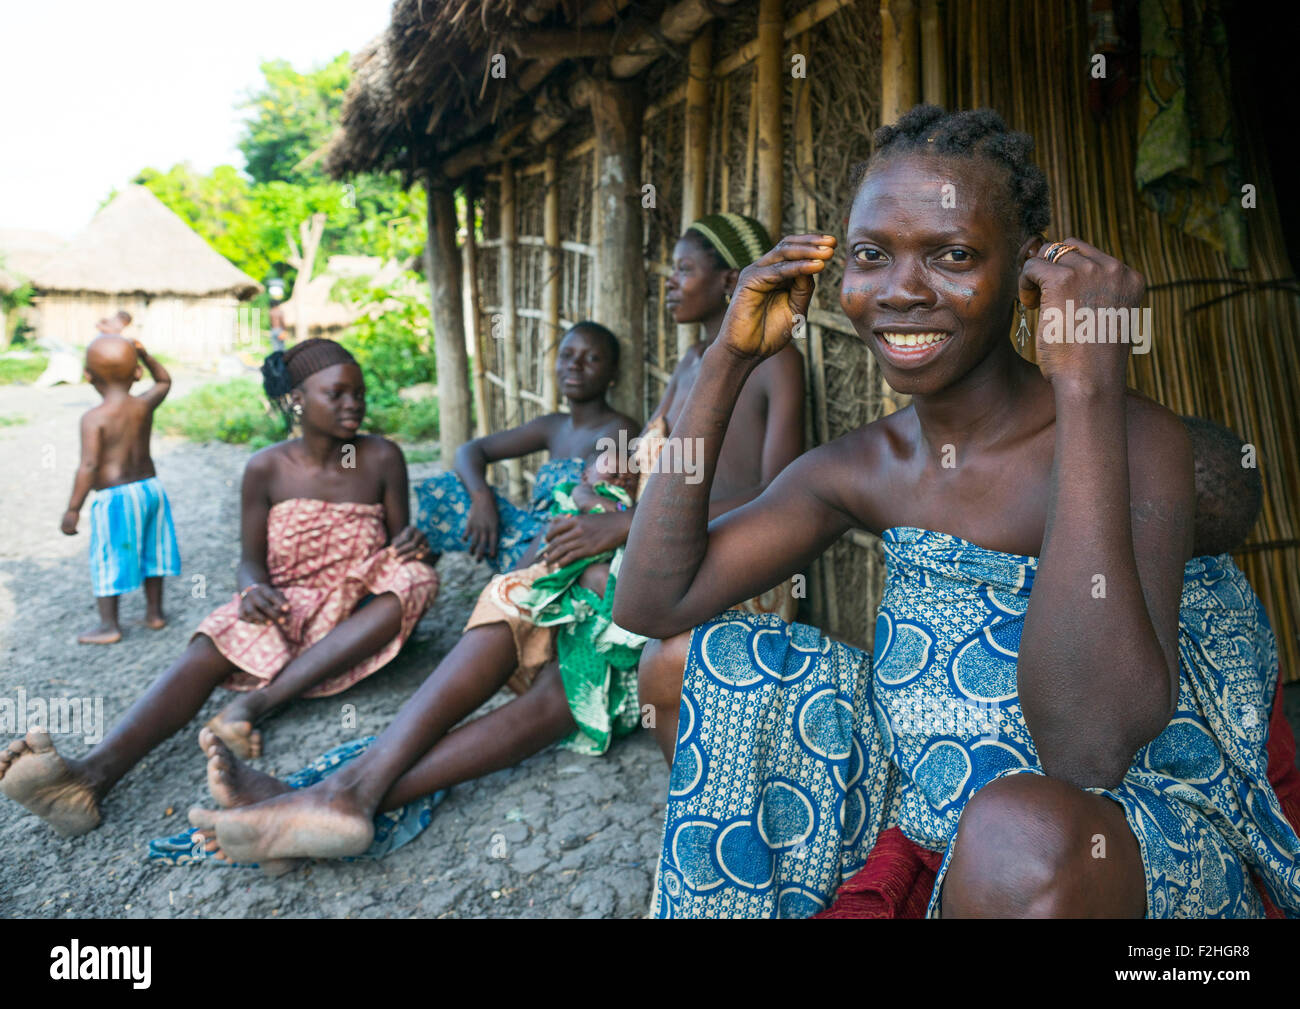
39 740
204 819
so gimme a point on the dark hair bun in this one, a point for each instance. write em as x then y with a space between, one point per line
275 376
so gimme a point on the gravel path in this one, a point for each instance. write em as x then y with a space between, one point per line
561 835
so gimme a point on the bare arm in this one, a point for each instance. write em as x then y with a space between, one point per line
1098 666
678 568
260 601
407 542
473 457
396 487
84 480
162 381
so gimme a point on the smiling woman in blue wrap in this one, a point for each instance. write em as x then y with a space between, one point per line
1064 698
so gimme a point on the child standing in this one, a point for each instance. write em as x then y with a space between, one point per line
132 539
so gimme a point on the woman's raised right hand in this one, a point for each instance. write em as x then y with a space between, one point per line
772 295
481 525
263 604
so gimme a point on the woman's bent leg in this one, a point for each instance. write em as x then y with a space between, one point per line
659 685
360 636
333 818
501 738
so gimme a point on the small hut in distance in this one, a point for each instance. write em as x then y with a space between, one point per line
137 255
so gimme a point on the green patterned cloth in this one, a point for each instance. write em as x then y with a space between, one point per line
1186 159
598 659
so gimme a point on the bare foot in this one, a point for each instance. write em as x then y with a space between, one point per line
307 823
33 774
104 634
232 782
155 621
244 741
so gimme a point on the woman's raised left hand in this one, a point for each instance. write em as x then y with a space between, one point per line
772 295
1088 278
410 545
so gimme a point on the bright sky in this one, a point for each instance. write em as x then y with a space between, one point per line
95 91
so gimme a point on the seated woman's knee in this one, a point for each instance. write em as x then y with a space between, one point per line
1021 851
594 578
659 673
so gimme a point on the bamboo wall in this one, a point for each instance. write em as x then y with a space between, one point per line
1230 362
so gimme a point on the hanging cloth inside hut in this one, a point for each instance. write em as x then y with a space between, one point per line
1186 159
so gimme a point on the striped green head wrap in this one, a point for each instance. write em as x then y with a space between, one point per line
739 240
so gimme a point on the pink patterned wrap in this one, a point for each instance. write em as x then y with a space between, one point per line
325 557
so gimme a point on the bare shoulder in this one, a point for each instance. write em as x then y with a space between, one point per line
1160 450
786 365
379 448
264 460
95 417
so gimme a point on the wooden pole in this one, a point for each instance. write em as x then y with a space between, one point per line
699 116
934 68
509 320
899 84
442 264
551 265
619 273
476 309
770 85
899 87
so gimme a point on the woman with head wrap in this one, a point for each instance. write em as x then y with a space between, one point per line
331 582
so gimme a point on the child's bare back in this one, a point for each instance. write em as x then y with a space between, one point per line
132 537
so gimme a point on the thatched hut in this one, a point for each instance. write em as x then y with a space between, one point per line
552 116
139 256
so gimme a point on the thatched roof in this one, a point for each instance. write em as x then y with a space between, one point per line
23 251
135 245
423 91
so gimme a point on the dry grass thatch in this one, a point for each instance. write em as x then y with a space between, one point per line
23 251
135 245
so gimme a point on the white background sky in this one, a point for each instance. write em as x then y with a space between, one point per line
92 92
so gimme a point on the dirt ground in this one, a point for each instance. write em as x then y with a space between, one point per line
562 835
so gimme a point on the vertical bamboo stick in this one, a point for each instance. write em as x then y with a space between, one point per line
899 87
475 309
551 235
699 116
934 65
443 266
724 155
507 329
770 84
898 59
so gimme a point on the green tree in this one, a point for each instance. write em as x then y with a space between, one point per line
245 215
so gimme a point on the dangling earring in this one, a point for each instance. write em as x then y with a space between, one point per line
727 298
1022 334
297 411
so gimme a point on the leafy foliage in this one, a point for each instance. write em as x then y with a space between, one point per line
236 412
245 215
22 369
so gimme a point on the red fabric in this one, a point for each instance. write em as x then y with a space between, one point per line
899 875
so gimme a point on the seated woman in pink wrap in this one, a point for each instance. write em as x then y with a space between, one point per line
332 582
